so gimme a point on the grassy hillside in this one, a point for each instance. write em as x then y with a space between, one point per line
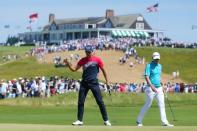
13 50
183 60
6 50
29 67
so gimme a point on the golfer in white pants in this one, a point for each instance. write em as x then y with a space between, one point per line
153 72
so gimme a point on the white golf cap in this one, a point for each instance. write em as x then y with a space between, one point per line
156 55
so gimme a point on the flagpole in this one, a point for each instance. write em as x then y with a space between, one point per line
154 9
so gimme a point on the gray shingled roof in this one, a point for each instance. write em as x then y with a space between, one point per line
87 20
124 21
121 21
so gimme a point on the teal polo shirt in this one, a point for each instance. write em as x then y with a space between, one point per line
153 70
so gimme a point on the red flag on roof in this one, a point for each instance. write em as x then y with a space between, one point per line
153 8
33 17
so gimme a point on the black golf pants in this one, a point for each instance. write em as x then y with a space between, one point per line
94 87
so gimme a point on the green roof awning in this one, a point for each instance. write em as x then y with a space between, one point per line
137 34
141 33
123 33
114 33
146 34
119 33
128 33
132 33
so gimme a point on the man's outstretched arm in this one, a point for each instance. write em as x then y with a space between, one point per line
70 66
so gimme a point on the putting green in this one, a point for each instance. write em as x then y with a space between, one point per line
38 127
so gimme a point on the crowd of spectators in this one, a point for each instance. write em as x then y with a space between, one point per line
37 87
105 43
126 45
42 87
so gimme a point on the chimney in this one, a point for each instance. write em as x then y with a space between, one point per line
51 18
109 13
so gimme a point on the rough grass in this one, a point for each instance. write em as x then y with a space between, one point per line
11 50
116 100
174 59
29 67
5 50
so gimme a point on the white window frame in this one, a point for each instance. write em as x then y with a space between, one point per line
139 26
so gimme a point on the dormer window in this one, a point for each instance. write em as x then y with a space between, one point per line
139 26
140 18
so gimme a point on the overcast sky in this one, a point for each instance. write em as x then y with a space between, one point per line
175 17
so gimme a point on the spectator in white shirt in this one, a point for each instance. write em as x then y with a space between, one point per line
3 89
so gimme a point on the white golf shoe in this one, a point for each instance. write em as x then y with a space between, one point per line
168 124
77 123
139 124
107 123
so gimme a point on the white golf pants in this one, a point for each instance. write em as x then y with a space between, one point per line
150 95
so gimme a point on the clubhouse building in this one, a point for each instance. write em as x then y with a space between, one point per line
59 30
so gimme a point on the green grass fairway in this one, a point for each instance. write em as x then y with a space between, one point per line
123 110
119 116
28 127
58 112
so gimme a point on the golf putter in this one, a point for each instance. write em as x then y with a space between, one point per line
109 91
173 116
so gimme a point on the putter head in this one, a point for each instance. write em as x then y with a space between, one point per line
109 90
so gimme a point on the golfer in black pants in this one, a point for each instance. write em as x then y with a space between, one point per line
91 65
